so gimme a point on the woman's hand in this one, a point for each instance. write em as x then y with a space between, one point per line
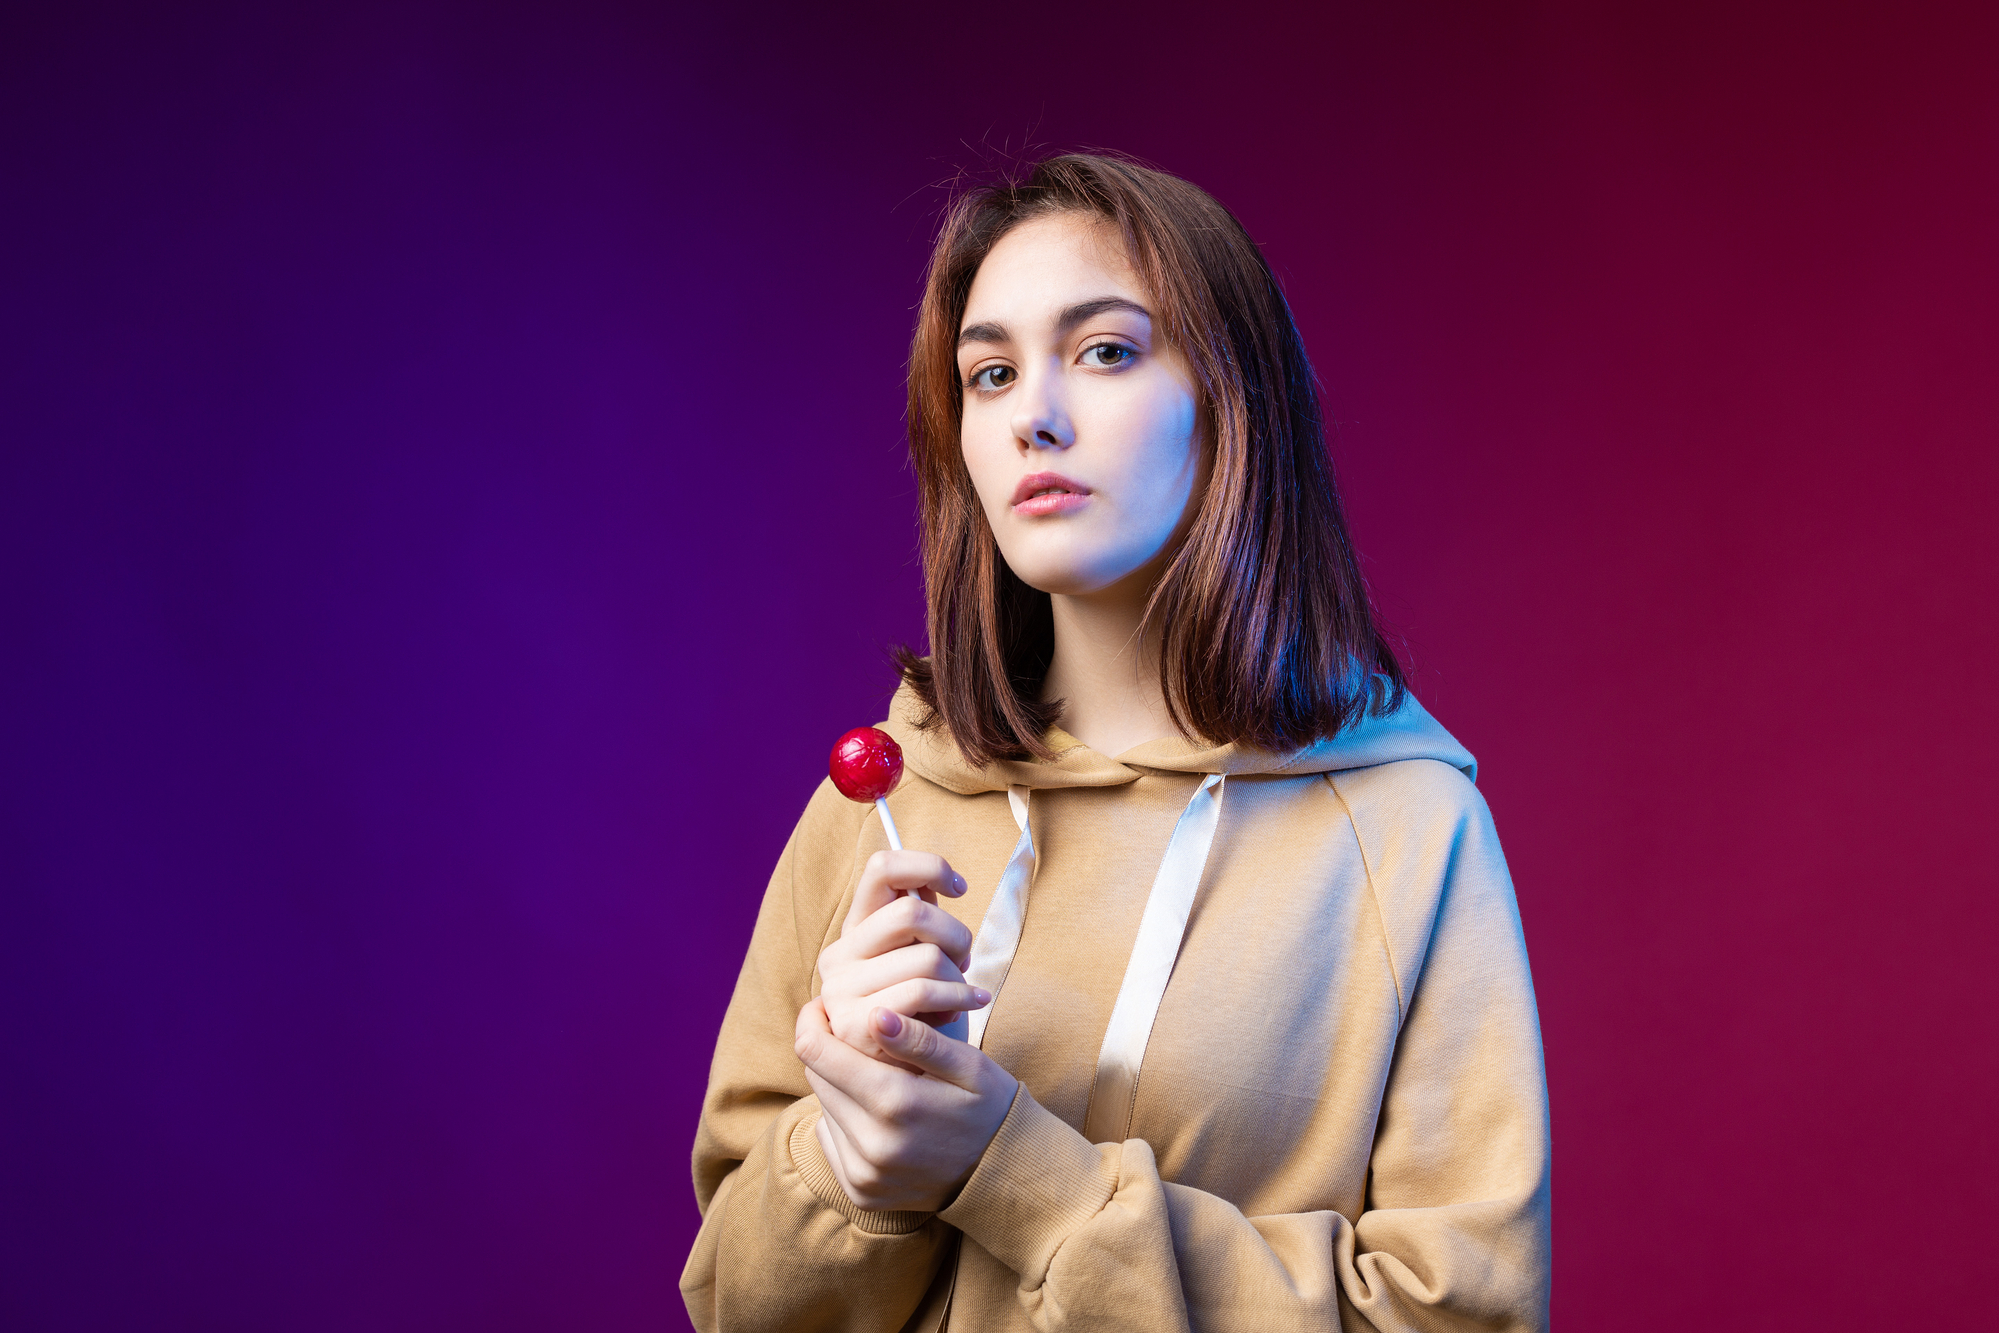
898 1140
901 953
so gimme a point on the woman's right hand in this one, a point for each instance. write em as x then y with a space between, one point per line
898 950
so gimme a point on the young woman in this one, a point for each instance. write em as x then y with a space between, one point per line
1249 1038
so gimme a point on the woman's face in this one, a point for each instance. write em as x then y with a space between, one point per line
1081 425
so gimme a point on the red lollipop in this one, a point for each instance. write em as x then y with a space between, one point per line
867 763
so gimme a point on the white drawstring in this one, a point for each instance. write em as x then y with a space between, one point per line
1153 953
999 932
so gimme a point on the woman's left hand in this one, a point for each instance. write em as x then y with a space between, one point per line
899 1141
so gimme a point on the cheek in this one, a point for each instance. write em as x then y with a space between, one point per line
988 458
1163 458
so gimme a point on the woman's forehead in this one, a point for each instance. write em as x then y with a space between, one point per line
1046 265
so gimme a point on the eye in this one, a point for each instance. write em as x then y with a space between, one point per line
1107 356
992 378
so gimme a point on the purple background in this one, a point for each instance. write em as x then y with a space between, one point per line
453 496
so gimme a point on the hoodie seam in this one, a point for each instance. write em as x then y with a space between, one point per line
1374 896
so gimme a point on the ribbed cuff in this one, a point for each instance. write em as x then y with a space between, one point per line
1038 1184
810 1163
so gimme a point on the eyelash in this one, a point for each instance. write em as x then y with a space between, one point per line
1126 355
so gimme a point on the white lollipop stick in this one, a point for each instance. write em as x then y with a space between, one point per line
888 823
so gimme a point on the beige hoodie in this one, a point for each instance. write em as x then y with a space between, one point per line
1340 1119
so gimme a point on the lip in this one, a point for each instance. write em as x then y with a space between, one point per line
1048 493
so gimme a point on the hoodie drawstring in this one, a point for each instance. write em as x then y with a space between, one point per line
999 933
1153 953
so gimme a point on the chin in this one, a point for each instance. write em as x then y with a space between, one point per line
1041 579
1059 564
1064 578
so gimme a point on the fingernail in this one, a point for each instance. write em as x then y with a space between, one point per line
889 1021
981 995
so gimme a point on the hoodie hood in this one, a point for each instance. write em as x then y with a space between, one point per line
1409 732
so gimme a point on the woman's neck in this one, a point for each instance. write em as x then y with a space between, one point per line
1107 678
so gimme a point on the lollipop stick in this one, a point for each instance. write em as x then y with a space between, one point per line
888 823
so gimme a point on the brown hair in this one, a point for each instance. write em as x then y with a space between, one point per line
1267 635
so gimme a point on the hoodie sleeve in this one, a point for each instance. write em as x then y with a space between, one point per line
1454 1234
781 1246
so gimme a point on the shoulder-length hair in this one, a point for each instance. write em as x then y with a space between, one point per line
1268 638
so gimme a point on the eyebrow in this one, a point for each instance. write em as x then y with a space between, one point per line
991 332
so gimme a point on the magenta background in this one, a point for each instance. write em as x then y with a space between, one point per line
452 498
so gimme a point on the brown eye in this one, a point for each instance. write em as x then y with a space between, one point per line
994 377
1107 356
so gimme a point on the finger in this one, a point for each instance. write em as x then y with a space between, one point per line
930 1001
832 1146
910 921
811 1030
929 1050
888 875
847 1116
850 1025
820 1047
924 996
854 1077
912 962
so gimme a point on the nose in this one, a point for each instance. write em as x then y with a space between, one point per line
1040 420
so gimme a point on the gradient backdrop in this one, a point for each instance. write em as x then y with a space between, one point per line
453 497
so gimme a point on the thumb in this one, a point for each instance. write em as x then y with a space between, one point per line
925 1047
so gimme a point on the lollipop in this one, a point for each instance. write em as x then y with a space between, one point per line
867 763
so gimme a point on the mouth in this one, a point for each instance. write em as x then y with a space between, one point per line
1048 493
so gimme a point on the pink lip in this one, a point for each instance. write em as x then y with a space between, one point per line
1048 493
